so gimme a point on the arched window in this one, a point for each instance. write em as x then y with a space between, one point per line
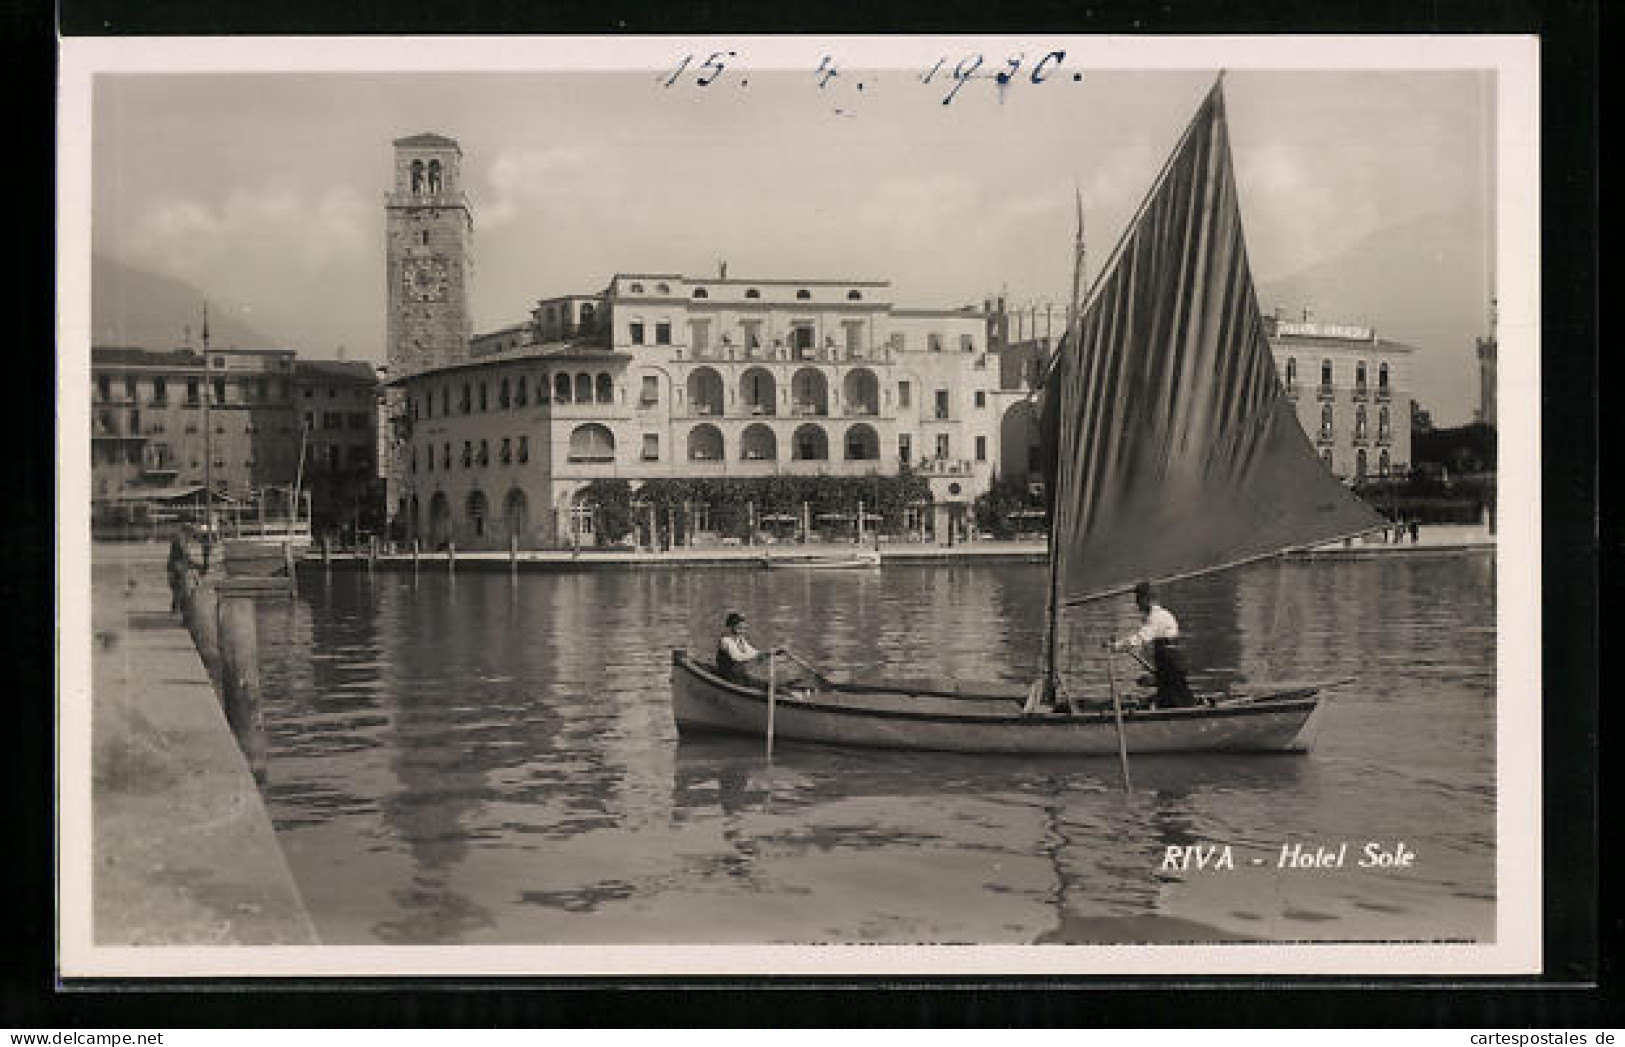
468 454
606 389
1359 374
445 401
1382 377
854 296
809 443
583 388
1384 464
705 444
445 455
485 452
477 513
520 397
862 443
1359 422
803 294
1359 464
1382 423
561 388
1326 422
428 457
417 176
434 176
758 443
482 397
465 404
1291 370
700 292
503 399
592 443
1325 372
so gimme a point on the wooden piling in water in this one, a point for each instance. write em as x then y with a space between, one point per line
414 557
451 557
240 678
513 554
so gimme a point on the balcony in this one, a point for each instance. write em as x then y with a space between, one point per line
1325 392
1361 394
806 410
1384 394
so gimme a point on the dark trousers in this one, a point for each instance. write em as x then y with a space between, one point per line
1173 689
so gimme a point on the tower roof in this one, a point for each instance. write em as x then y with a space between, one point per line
427 140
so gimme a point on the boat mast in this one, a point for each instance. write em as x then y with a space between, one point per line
1053 599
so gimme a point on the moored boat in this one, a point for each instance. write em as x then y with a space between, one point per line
823 562
904 716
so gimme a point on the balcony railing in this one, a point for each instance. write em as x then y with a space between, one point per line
1325 392
1384 394
814 410
1360 393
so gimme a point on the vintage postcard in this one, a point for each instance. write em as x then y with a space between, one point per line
798 505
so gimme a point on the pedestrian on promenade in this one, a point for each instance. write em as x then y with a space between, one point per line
1415 532
180 561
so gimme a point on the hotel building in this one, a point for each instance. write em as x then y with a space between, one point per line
661 375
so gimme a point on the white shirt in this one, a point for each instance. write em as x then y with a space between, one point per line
1158 625
739 648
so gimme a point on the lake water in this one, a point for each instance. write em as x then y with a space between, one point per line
492 760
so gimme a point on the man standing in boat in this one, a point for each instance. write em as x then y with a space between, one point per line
1159 632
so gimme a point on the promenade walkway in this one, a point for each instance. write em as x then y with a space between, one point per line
183 849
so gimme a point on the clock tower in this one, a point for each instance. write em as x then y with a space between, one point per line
428 262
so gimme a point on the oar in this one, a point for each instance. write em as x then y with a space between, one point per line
1117 713
823 681
771 681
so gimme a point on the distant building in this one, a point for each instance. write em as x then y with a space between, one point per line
1350 390
148 443
661 375
338 403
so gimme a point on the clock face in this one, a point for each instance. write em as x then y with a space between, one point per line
425 280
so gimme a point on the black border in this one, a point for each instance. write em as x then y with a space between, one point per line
1569 994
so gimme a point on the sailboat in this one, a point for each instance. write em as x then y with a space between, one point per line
1171 451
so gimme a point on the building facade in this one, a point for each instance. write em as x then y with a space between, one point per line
157 416
666 376
1350 390
658 375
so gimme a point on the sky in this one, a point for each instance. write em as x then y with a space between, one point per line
265 191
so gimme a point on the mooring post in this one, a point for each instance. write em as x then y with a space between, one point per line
451 557
513 554
327 554
199 611
414 557
372 553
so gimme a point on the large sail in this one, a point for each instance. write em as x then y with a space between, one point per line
1172 448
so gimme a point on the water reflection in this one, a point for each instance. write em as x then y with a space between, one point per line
488 758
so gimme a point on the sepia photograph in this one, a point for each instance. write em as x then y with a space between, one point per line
795 505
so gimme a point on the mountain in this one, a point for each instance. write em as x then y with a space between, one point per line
142 309
1425 282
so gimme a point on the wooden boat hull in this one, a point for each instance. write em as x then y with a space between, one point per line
897 718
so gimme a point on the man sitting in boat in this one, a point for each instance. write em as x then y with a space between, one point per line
1159 631
736 656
